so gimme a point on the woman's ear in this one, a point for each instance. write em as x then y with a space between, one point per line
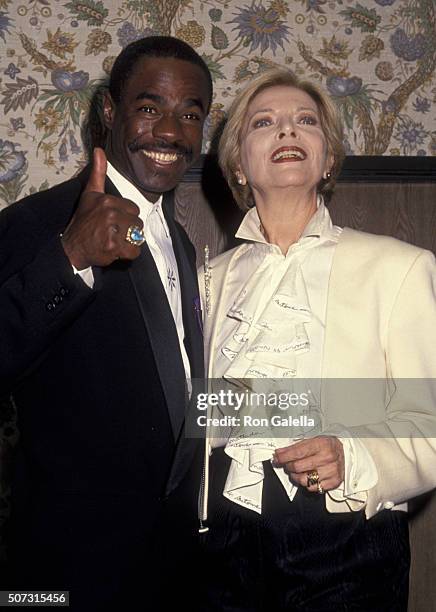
328 166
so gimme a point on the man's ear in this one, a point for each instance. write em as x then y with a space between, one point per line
108 110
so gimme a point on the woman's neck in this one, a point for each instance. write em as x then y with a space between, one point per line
283 220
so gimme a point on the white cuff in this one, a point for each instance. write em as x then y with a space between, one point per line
86 275
360 472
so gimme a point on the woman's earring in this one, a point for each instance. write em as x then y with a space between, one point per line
239 179
328 175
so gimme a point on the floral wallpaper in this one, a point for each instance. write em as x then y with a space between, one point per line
376 58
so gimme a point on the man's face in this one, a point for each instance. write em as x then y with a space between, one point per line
157 127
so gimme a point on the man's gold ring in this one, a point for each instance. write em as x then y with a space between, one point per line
135 235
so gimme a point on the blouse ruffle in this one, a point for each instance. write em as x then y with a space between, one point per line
262 354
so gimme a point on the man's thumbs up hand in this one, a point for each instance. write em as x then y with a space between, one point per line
96 234
97 176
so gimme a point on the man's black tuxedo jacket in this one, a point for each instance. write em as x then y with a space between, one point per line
99 385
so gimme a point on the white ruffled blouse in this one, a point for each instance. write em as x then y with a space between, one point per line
273 331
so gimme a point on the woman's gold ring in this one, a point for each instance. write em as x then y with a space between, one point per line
312 478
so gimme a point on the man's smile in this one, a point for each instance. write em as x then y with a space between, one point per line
163 158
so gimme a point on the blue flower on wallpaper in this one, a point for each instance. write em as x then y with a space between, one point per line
341 86
409 48
385 2
391 105
17 123
315 5
5 22
63 157
12 70
422 105
75 148
410 134
262 27
12 161
128 34
69 81
215 14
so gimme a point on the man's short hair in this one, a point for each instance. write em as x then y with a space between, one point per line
152 46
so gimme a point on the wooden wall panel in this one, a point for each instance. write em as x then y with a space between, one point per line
202 225
207 212
422 522
404 210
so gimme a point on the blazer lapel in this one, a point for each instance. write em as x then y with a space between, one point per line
218 280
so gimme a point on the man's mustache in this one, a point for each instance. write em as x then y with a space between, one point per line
162 147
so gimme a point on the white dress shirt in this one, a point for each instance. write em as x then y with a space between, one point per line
159 242
274 330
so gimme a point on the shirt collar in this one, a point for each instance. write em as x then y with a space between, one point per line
319 226
130 192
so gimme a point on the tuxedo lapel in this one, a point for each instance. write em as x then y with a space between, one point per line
189 293
162 333
161 330
187 445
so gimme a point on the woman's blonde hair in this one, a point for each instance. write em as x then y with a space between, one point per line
230 142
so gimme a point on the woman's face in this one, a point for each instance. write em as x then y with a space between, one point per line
283 144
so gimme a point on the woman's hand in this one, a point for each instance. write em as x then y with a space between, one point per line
323 455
